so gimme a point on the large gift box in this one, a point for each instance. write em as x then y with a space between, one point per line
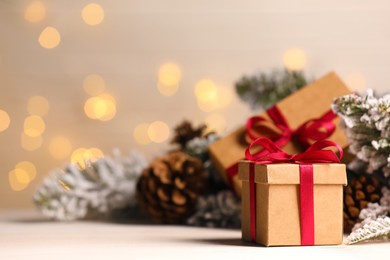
299 117
293 203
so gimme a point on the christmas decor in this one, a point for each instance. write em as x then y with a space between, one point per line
375 210
198 147
169 188
374 221
185 132
373 230
265 90
367 125
362 189
217 210
294 123
278 202
94 191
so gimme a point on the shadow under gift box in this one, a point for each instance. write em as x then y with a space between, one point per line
277 203
310 102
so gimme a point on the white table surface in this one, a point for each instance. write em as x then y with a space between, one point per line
27 235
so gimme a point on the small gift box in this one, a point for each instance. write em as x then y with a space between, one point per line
292 200
294 123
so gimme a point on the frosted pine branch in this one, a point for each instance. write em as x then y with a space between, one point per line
375 229
96 190
367 126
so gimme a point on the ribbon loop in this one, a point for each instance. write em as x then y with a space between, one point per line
272 153
310 131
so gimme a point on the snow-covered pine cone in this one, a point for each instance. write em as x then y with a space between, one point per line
94 191
218 210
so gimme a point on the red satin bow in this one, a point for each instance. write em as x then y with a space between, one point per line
312 130
274 154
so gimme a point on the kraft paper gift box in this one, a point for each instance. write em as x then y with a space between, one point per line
310 102
277 203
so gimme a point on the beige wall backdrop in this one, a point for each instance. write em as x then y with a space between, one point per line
215 40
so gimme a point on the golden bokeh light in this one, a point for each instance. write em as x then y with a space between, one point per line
294 59
169 76
96 152
167 90
216 122
49 38
28 168
92 14
94 84
34 126
30 143
141 134
158 132
102 107
356 82
225 96
83 156
209 105
35 12
60 147
38 105
4 120
205 90
18 179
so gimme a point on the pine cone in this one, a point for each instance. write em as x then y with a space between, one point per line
169 188
361 190
185 132
95 191
220 210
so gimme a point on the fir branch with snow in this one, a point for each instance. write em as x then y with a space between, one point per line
264 90
367 125
373 230
93 191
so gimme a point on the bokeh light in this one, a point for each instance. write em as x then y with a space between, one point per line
49 38
206 94
294 59
169 76
205 90
94 84
28 168
83 156
34 126
102 107
141 134
225 96
208 105
18 179
60 147
35 12
356 82
38 105
4 120
30 143
92 14
216 122
158 131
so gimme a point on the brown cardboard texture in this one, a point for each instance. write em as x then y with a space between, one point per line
277 203
310 102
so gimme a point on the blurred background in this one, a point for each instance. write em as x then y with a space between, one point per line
80 78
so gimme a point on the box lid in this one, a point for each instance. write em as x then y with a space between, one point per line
287 173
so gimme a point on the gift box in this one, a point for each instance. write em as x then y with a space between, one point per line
276 204
299 110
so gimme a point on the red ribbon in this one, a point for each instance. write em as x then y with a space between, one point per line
274 154
310 131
